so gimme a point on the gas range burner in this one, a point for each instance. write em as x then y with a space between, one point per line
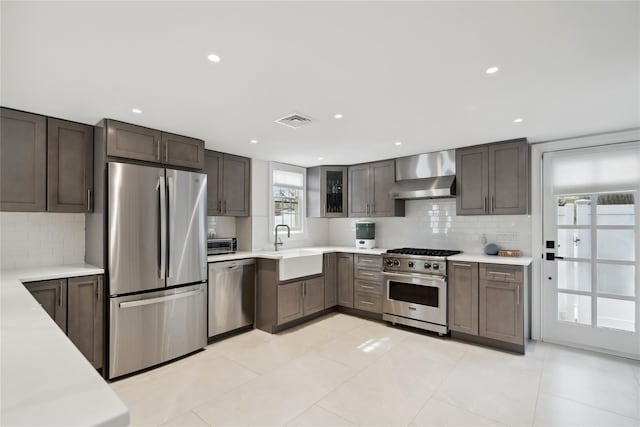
423 252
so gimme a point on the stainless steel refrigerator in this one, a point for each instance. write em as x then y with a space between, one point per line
157 265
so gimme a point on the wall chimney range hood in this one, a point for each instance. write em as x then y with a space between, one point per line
425 176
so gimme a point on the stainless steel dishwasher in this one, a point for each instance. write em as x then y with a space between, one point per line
231 295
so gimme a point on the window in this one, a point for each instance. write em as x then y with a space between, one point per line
288 196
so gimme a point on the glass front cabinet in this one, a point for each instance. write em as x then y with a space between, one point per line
327 191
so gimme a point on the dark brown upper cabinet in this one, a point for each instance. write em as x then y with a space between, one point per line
228 184
23 161
183 151
327 191
493 179
149 145
369 186
69 166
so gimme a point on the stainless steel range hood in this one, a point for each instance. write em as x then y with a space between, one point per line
425 176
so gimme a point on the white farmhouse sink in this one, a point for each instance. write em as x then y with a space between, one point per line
298 263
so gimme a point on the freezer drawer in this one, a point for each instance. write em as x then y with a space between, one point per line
155 327
231 295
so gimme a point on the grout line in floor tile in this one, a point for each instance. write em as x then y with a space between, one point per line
535 408
199 417
591 406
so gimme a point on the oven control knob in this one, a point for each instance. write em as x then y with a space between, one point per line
410 263
396 262
388 262
427 265
436 266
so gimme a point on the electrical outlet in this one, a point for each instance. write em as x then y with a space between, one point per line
507 236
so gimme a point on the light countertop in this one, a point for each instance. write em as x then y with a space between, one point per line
282 252
45 378
491 259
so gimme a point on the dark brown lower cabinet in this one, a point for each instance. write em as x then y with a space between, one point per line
488 303
501 312
313 295
290 305
85 316
463 297
330 280
299 299
76 304
345 280
52 296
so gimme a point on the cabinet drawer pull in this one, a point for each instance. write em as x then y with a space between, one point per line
367 287
457 264
499 273
366 302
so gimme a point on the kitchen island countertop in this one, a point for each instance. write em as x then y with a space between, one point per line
45 378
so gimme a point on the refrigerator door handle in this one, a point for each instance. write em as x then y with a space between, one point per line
162 227
170 222
159 299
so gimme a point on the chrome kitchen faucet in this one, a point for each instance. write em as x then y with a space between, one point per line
279 243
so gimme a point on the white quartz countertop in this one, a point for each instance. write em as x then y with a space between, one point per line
491 259
282 252
45 378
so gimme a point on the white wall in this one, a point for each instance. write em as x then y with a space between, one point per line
221 226
316 231
41 239
434 224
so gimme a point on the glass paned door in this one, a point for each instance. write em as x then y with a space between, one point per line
590 297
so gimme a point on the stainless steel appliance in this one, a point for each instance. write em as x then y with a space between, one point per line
157 267
222 246
365 234
425 176
231 295
416 288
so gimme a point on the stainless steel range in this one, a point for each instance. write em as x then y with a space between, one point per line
416 288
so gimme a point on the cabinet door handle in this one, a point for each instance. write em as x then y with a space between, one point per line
493 203
60 293
89 200
158 149
166 151
484 205
518 295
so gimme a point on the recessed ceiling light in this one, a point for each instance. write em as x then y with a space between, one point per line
337 116
254 141
320 158
492 70
398 143
137 110
518 120
213 58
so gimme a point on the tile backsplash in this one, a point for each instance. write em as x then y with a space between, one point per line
221 226
434 224
41 239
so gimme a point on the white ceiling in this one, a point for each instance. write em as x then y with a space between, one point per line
398 71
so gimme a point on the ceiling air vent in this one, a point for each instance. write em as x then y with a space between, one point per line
294 121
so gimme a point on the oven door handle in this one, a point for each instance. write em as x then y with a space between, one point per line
421 277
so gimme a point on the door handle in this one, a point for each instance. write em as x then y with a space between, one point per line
159 300
551 256
170 195
162 226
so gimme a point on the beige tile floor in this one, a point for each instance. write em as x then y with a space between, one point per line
342 371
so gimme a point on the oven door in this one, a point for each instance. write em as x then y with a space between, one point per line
416 296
